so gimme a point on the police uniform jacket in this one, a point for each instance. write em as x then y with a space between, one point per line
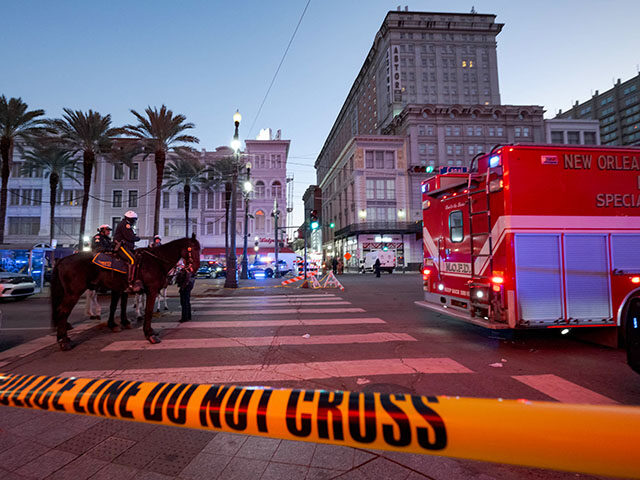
101 243
125 235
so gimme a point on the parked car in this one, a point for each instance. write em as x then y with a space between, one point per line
267 269
205 271
16 285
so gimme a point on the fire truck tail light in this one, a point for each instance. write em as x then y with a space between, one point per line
635 279
497 280
497 288
426 271
441 286
496 185
494 161
479 294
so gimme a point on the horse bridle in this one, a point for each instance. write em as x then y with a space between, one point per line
188 259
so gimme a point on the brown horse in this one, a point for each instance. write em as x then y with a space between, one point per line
72 275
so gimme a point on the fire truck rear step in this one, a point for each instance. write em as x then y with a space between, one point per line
463 316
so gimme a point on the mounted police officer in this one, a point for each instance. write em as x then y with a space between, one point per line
126 237
102 240
156 242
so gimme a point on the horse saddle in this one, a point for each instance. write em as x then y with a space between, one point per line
110 261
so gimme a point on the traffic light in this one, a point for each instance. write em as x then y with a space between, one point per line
332 225
385 248
313 220
422 169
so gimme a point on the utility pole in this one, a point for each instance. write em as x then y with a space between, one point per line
305 244
231 280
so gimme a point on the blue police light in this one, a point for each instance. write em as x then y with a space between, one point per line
494 161
259 275
424 188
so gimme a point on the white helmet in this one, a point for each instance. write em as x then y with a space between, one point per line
131 214
104 226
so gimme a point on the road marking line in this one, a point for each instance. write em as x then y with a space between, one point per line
266 311
263 305
39 343
283 372
563 390
14 329
269 323
232 342
248 297
314 301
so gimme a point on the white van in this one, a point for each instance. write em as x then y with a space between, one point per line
387 261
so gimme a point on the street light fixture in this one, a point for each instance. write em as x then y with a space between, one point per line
247 187
231 280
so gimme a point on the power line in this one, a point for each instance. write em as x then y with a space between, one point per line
279 65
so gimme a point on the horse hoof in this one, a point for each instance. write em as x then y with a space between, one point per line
115 329
65 344
158 310
153 339
127 326
166 308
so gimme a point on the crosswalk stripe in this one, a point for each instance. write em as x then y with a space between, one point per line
282 372
267 301
270 323
563 390
283 311
262 305
188 343
242 297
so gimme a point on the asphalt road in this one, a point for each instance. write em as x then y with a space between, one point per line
370 337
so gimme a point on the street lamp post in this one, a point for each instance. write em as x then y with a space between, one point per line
276 214
231 280
247 187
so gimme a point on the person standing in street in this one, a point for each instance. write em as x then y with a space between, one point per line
334 264
185 281
376 267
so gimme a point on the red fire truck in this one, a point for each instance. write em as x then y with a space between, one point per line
535 237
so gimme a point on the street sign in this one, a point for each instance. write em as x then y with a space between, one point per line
347 256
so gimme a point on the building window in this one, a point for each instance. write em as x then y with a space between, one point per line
447 130
557 137
25 197
115 221
180 199
589 138
518 131
456 227
500 131
14 196
525 131
381 189
449 149
116 199
276 189
478 131
469 131
67 226
573 138
133 199
259 189
492 132
209 230
25 225
134 171
166 200
118 171
389 161
210 200
259 221
194 200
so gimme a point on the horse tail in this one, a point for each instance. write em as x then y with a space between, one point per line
57 295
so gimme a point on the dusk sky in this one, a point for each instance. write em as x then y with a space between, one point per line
206 59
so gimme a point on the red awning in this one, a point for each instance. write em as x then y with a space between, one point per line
213 251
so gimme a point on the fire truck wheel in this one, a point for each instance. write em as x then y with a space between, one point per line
631 332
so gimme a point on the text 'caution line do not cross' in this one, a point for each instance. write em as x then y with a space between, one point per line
601 440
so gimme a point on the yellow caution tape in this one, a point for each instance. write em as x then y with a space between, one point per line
601 440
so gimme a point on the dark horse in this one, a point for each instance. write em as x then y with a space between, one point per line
72 275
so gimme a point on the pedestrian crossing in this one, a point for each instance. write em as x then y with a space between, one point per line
225 327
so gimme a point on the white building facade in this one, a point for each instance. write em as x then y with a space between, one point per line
118 188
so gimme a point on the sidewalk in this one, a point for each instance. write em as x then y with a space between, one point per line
58 446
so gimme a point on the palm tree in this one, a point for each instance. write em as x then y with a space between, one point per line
159 132
187 172
91 134
16 123
55 164
223 171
